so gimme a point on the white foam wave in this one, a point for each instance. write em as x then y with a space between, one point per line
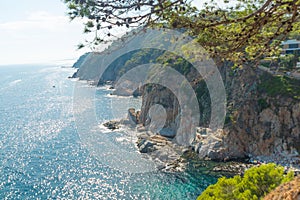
14 82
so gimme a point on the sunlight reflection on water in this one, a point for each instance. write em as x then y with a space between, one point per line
42 156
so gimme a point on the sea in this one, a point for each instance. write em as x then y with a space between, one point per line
53 144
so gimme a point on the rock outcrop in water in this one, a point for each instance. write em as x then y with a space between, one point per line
112 125
134 116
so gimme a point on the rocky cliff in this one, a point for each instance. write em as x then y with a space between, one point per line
90 67
81 60
110 64
263 111
257 123
262 121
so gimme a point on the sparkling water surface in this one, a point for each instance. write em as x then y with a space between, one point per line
43 157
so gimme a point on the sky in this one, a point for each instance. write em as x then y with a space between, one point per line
38 31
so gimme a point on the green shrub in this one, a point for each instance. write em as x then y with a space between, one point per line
255 184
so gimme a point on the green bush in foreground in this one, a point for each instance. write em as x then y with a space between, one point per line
255 184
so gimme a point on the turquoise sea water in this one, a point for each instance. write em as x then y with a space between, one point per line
42 155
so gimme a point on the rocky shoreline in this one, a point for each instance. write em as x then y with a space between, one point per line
259 120
289 163
174 158
171 157
208 146
163 151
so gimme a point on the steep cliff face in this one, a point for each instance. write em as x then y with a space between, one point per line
272 130
261 124
156 94
256 123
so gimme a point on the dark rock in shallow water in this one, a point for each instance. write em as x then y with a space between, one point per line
112 125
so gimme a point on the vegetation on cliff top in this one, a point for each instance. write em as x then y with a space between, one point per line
279 85
256 183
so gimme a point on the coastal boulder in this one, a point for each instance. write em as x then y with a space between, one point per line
112 125
133 116
146 146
